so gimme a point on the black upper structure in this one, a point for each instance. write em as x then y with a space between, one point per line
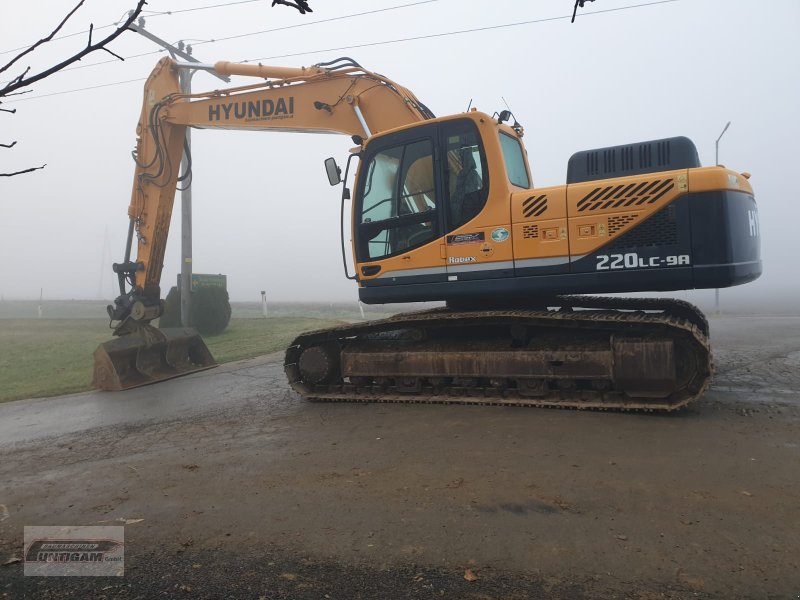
632 159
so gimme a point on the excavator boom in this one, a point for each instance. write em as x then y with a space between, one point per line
336 97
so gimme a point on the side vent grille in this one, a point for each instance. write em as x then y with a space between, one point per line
663 153
618 223
653 156
534 206
592 168
610 160
626 158
646 192
645 156
530 231
619 159
659 230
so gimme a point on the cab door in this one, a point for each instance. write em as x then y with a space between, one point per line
397 215
475 247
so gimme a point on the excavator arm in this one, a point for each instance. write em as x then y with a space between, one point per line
335 97
338 97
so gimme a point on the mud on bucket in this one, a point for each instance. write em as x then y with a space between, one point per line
133 360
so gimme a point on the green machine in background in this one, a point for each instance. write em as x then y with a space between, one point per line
211 308
206 279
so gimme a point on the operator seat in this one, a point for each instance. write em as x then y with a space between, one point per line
467 198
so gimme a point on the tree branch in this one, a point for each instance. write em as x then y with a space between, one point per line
20 82
23 171
11 145
43 40
113 54
20 76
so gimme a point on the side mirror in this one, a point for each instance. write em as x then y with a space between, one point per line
333 171
504 116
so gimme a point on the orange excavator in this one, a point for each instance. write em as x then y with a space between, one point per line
444 209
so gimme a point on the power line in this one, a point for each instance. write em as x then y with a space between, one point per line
83 89
183 10
150 15
242 35
306 24
397 41
61 37
460 32
105 62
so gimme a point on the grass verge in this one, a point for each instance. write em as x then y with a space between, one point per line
49 357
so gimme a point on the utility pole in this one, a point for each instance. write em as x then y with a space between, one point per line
716 162
185 78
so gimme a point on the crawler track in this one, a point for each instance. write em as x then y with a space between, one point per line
591 353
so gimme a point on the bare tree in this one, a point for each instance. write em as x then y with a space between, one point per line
24 80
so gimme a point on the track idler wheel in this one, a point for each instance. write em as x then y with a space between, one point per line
319 364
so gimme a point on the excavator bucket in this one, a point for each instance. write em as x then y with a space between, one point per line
133 360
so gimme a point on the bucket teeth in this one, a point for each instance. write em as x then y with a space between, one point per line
133 360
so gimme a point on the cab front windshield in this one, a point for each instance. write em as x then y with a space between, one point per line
399 201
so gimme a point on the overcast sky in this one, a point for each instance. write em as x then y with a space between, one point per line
263 211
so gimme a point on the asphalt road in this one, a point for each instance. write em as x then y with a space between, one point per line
233 487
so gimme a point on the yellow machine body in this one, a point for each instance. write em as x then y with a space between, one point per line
446 209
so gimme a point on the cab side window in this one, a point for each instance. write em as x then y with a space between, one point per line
466 179
398 209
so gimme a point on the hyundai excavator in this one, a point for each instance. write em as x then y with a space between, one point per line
444 209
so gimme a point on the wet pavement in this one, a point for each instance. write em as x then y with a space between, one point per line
229 470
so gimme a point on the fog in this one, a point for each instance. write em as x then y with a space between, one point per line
264 213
